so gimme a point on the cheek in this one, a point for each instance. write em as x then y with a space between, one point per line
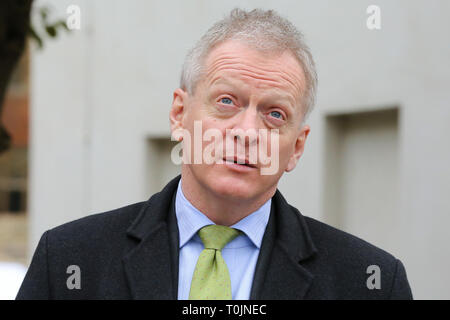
194 117
286 152
201 112
210 122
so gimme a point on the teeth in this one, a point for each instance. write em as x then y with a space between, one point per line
236 162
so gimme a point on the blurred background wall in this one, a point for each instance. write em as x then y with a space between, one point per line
376 162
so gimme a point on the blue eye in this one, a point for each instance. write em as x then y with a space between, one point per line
226 100
276 114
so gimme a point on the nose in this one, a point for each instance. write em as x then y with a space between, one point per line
245 129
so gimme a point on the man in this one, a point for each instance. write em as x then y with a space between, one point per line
222 230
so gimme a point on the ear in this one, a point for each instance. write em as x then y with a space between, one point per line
298 148
178 109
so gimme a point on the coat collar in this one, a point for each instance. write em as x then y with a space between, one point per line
152 266
287 243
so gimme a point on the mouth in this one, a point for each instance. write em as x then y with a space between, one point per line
239 162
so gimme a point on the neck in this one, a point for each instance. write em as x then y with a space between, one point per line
220 209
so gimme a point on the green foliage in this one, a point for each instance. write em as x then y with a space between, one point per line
47 28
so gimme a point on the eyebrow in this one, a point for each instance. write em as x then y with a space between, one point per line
220 80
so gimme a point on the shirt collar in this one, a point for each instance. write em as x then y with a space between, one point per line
190 220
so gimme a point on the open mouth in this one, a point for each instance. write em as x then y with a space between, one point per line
241 162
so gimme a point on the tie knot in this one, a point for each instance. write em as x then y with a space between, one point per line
216 237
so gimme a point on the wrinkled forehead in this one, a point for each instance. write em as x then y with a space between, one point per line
234 60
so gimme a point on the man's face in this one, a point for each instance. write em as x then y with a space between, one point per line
244 89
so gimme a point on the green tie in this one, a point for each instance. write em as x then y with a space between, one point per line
211 280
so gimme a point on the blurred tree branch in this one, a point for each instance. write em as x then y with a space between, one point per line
15 26
50 28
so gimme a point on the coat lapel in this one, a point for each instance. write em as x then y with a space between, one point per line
151 267
286 244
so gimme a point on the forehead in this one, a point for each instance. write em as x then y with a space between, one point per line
234 61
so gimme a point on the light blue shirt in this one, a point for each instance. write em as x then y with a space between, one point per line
240 254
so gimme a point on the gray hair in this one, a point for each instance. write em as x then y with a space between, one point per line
261 30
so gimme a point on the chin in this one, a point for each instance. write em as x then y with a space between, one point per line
234 185
234 188
228 184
